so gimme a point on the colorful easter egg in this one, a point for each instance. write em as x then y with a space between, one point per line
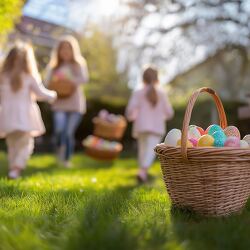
232 141
219 138
111 118
103 114
189 143
247 139
244 144
194 141
172 137
213 128
193 132
201 130
232 131
206 141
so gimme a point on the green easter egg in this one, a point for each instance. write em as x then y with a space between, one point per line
214 128
219 138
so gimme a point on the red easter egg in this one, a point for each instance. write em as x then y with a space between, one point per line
201 130
206 131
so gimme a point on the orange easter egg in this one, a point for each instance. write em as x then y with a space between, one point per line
201 130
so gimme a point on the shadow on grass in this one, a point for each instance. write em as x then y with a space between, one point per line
88 162
93 220
195 232
80 163
101 225
30 170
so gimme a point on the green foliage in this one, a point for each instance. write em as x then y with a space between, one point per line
9 12
105 81
99 206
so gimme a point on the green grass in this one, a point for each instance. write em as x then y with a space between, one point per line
100 206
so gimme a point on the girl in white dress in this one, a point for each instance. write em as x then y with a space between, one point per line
20 117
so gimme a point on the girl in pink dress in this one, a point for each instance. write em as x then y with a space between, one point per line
67 62
149 109
20 117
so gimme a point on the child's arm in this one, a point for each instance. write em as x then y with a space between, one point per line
132 108
41 93
48 76
168 109
82 75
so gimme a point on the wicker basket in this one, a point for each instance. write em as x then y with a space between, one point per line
64 88
108 130
210 181
103 154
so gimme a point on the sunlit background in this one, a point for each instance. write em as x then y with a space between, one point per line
193 43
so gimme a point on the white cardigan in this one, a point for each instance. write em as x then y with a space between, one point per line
19 110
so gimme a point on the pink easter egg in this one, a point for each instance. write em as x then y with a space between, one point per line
193 141
232 141
193 132
232 131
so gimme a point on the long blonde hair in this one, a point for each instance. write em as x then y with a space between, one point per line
77 58
20 59
150 77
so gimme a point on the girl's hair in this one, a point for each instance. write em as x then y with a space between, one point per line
20 59
150 77
77 58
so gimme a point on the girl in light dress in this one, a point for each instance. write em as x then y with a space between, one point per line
20 117
149 109
67 112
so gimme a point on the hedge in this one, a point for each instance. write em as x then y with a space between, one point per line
201 116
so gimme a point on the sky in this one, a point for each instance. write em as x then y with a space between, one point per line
73 14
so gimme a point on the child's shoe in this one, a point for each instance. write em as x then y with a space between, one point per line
60 152
67 164
142 176
14 173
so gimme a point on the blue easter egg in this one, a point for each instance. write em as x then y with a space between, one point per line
214 128
219 138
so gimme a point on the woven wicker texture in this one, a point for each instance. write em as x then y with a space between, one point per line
102 154
210 181
64 88
108 130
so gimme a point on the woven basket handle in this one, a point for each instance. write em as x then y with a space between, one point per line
189 109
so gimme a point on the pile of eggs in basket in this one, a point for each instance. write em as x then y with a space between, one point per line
99 143
213 136
108 117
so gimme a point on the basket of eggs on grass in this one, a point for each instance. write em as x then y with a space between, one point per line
206 170
101 149
109 126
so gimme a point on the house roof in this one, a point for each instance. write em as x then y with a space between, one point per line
72 14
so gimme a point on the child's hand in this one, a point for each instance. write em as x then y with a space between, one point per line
53 97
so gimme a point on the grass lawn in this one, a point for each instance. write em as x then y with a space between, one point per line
100 206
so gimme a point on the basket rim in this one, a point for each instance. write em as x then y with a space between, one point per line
118 150
122 122
234 150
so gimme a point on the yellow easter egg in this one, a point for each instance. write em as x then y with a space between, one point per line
206 141
189 143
